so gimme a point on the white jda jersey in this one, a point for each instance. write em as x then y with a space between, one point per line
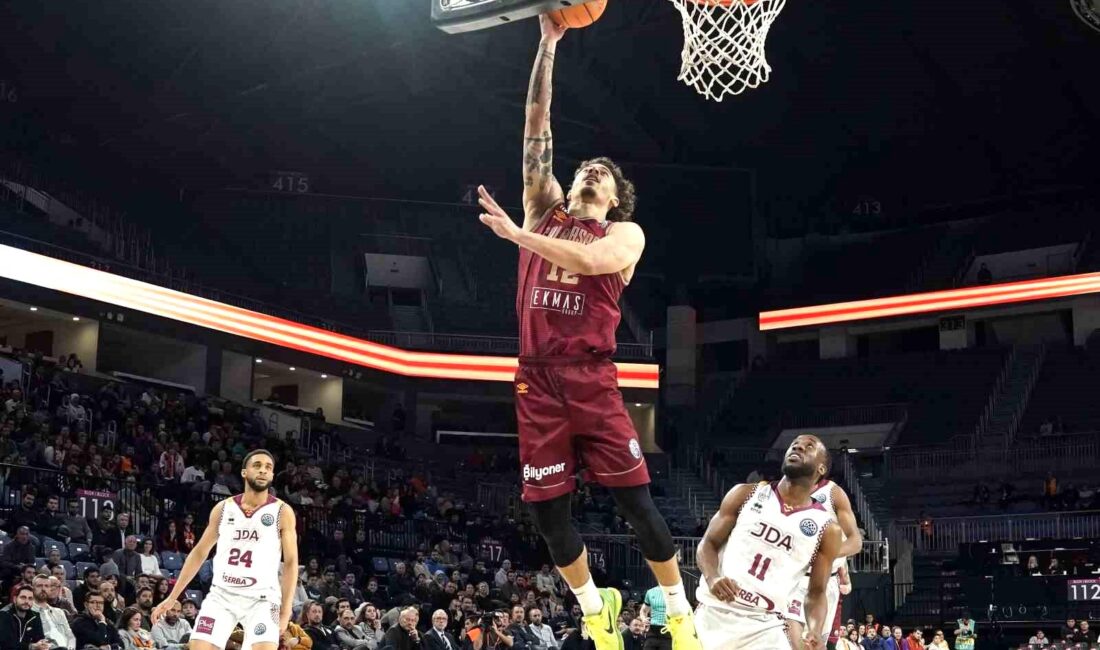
249 550
770 549
824 495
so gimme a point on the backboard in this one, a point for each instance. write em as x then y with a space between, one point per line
457 16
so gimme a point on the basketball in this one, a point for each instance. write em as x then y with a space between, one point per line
579 15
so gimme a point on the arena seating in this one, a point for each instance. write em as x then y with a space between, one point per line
1064 392
944 390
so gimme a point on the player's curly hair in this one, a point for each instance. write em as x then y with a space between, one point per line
624 189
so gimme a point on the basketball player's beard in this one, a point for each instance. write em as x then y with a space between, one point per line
798 472
256 487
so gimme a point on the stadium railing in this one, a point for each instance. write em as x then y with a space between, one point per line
413 340
946 533
1050 453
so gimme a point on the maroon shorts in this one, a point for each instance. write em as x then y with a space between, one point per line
570 411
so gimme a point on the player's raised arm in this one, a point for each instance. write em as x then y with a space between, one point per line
817 609
191 565
717 534
853 540
288 533
540 189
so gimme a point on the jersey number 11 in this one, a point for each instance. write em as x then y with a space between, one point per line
760 566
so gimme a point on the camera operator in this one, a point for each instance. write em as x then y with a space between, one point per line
495 632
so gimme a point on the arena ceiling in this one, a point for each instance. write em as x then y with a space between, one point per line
909 103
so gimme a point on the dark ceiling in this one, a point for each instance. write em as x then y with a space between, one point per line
910 103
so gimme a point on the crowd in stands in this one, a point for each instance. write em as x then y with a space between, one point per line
873 635
384 554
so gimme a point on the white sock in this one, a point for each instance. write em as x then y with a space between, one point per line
676 602
588 595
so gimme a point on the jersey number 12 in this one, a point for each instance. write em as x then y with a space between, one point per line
760 566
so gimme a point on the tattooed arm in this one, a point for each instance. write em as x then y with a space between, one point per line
540 189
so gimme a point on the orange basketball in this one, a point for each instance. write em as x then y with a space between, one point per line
578 15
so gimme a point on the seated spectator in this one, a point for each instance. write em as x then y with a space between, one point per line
404 635
295 638
17 553
173 631
351 637
113 604
61 596
850 641
1039 639
25 514
150 563
26 579
55 623
938 642
578 639
168 539
311 621
1083 634
92 629
190 611
873 641
128 559
51 521
77 525
891 637
634 636
130 631
20 627
1032 568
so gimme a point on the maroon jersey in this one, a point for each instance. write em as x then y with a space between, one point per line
563 314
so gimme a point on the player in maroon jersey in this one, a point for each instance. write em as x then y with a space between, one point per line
577 253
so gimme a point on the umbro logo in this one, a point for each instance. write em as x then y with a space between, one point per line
521 388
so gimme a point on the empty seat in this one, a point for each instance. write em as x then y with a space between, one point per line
193 594
51 544
78 551
171 561
381 565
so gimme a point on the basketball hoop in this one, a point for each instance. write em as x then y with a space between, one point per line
724 44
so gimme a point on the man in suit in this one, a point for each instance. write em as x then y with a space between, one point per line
404 635
439 638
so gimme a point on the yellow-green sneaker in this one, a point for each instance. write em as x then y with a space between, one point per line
603 628
682 630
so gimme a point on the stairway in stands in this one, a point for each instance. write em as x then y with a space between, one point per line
936 599
1010 400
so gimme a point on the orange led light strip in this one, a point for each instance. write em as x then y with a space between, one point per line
936 301
40 270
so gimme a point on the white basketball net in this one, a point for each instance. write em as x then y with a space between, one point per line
724 44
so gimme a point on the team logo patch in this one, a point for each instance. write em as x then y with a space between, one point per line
521 388
820 498
635 448
267 519
808 527
205 625
795 608
260 629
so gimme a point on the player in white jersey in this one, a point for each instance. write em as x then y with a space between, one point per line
758 545
254 533
836 502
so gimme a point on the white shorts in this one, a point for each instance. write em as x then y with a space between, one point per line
796 610
221 612
728 629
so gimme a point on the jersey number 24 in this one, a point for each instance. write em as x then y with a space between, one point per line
237 558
